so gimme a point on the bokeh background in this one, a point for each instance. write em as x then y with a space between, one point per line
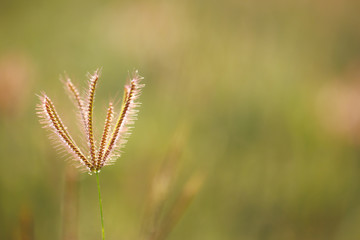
249 126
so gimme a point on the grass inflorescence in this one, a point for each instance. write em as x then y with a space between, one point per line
114 135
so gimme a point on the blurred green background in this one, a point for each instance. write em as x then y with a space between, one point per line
258 100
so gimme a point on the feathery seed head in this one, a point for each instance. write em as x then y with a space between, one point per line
113 136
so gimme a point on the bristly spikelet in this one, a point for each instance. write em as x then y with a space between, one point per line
93 79
126 117
109 143
105 136
77 100
51 120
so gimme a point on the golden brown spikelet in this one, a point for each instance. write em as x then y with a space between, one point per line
126 117
89 114
51 120
105 136
77 100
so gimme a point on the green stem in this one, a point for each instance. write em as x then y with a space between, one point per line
100 203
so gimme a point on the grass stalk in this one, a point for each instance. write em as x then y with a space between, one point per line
100 204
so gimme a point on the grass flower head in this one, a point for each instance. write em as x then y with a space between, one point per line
115 131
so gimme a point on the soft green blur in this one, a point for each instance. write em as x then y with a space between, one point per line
258 100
